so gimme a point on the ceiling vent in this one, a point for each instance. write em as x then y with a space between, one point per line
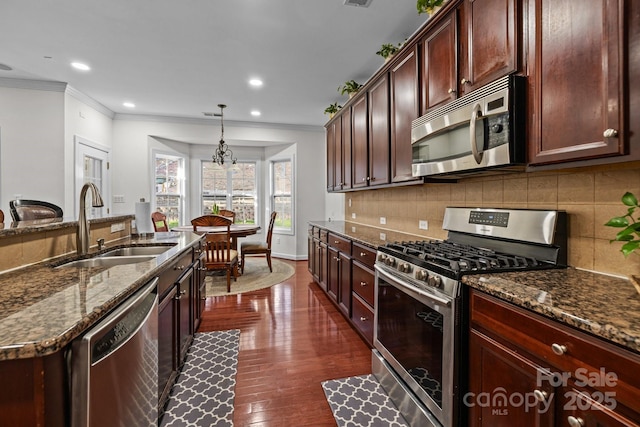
358 3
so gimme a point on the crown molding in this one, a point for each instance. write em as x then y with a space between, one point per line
50 86
89 101
202 121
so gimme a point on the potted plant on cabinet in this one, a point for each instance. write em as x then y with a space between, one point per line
428 6
388 50
630 233
332 109
350 87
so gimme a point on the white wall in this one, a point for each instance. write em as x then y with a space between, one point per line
32 145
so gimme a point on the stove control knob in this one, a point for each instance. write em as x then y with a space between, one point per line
422 275
382 257
435 281
404 267
391 262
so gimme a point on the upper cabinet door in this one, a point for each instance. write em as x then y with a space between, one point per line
492 40
379 132
404 110
331 149
439 66
359 142
576 80
346 149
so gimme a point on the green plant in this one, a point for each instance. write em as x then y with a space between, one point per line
388 49
427 6
630 233
349 87
333 108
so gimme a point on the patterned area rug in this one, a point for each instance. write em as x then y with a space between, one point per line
256 276
361 402
204 392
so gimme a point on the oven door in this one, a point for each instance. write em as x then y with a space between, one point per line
415 334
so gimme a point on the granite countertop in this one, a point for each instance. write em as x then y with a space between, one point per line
43 308
50 224
366 235
605 306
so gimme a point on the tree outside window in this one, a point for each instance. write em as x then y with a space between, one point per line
282 194
234 188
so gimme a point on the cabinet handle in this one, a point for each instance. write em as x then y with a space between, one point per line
610 133
575 421
363 284
465 81
363 254
336 242
179 296
558 349
540 395
450 91
363 319
179 267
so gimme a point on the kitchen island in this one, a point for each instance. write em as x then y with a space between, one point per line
44 306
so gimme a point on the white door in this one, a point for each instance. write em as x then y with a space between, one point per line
92 165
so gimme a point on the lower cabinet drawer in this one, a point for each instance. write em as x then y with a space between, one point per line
365 255
362 318
363 282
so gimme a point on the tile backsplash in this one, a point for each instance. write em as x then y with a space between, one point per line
590 196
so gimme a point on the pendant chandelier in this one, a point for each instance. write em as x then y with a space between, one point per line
223 153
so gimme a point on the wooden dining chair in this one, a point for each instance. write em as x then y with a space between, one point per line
219 252
252 249
228 213
22 210
159 221
1 216
209 220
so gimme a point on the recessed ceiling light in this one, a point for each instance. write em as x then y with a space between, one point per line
255 113
80 66
255 82
129 104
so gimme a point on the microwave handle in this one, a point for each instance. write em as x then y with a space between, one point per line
476 113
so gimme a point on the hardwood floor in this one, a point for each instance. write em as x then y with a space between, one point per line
292 338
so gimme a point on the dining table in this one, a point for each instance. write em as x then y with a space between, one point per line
237 231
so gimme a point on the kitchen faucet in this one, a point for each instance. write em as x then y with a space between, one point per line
82 236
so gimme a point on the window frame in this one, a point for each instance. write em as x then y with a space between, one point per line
182 178
273 195
228 194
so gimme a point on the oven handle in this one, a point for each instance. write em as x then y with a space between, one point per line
422 292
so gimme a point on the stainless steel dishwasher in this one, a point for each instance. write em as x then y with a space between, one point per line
114 366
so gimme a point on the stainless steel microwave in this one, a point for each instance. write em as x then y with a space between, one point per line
480 131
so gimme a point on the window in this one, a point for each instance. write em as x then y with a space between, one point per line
234 189
169 187
282 194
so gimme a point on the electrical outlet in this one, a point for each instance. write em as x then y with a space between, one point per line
349 202
383 236
353 229
383 220
277 240
353 215
120 226
423 225
118 199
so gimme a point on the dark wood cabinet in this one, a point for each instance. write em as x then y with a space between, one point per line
537 372
350 280
347 178
167 345
501 372
334 155
199 287
439 63
359 142
185 313
403 78
379 135
490 41
577 80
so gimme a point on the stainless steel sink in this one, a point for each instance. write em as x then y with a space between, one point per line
135 251
104 261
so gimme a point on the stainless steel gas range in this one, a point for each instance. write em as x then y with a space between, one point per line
420 313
